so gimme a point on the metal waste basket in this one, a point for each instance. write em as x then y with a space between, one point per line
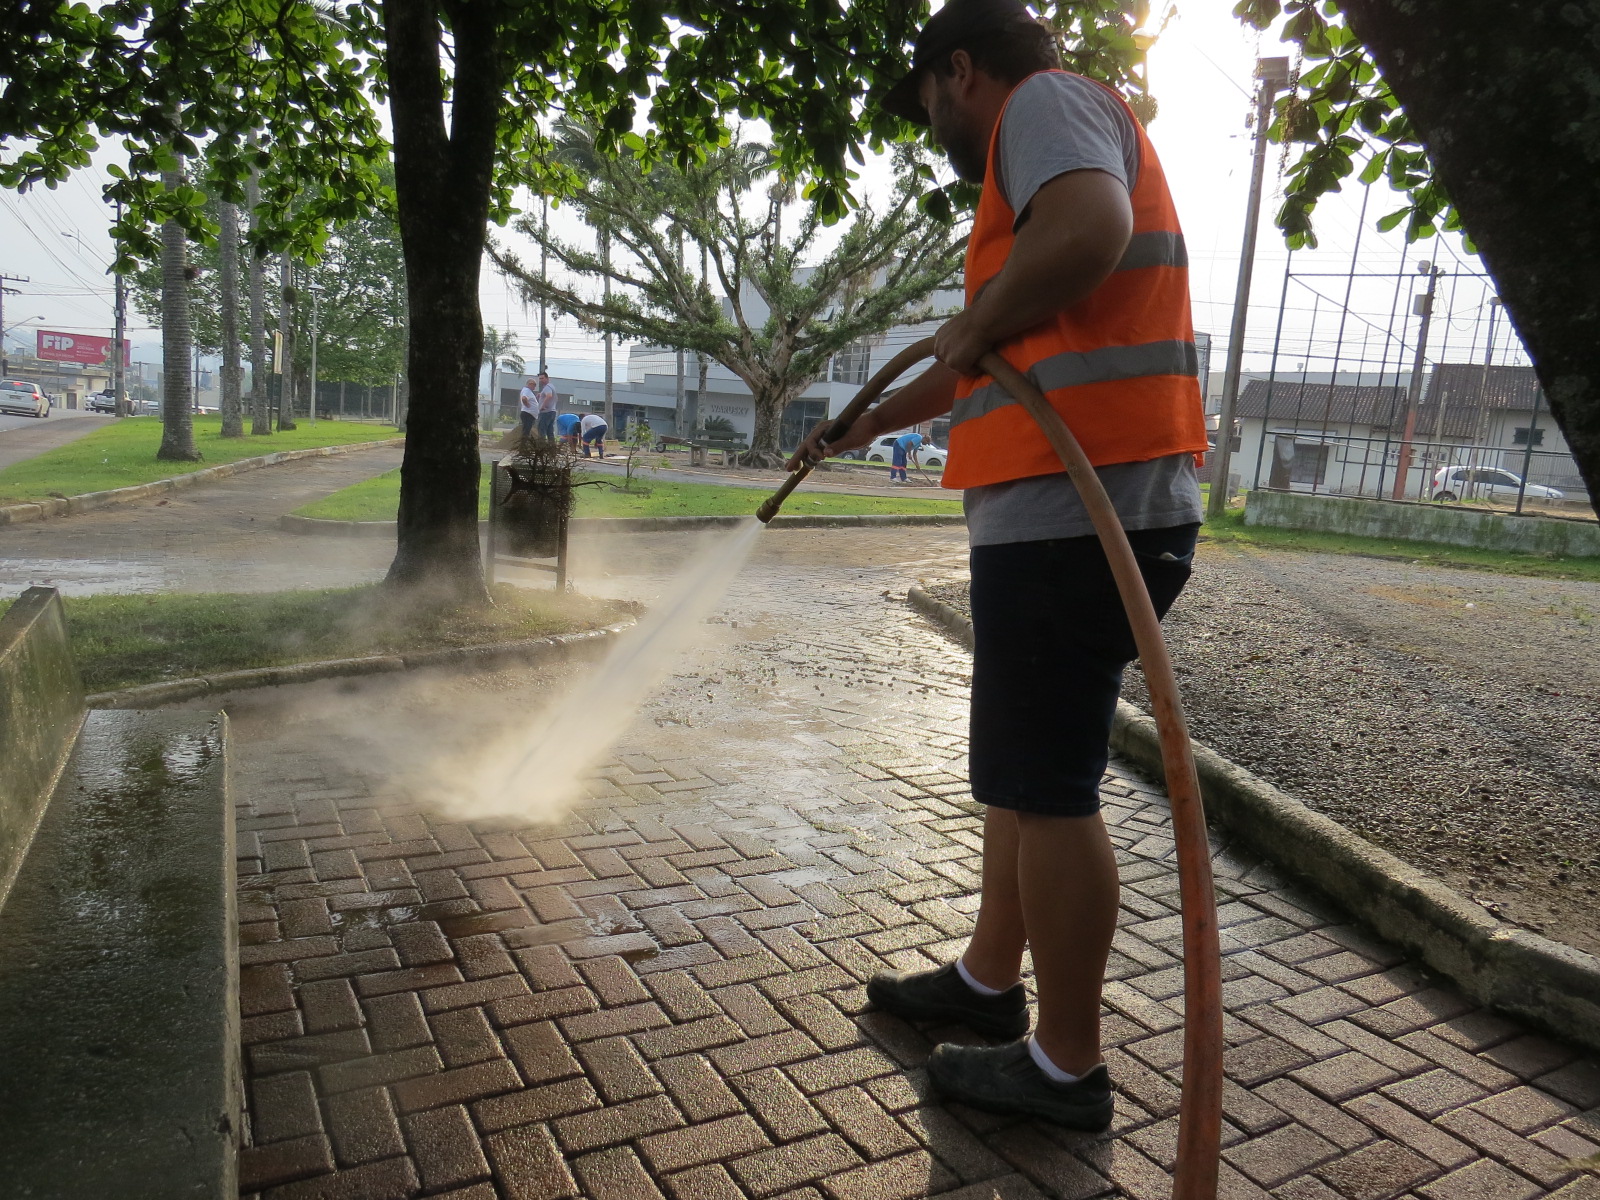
530 504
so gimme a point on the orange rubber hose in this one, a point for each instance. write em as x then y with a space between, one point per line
1200 1110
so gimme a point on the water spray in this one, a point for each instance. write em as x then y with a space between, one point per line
1200 1112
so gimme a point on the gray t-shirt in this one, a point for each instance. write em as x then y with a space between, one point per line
1057 123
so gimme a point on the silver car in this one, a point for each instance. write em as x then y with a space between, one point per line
27 399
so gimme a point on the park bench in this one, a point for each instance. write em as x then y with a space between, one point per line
119 1026
726 444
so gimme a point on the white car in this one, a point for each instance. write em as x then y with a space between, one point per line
28 399
1487 483
882 450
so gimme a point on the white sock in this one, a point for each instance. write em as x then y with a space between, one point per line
982 989
1042 1061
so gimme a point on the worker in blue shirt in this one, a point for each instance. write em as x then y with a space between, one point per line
905 446
567 429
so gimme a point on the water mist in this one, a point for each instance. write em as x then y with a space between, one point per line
538 773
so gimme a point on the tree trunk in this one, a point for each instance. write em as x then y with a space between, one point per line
769 405
260 400
442 190
177 397
1504 97
285 368
232 417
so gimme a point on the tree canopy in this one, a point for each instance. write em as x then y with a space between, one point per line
790 305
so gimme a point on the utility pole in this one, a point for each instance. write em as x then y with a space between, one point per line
1527 455
1480 425
1423 306
1272 75
119 370
316 297
5 361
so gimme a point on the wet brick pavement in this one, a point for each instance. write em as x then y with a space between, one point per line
662 996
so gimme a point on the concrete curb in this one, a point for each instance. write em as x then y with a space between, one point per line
318 527
13 514
1546 983
489 656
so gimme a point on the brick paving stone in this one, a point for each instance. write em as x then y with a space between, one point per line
615 1175
528 1165
380 1069
281 1162
704 1183
1524 1109
457 1086
1482 1180
391 1179
781 1106
284 1106
535 1104
704 1143
1280 1155
617 1069
906 1177
445 1148
364 1126
618 1123
768 1172
1377 1172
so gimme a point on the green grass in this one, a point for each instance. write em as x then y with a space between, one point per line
123 454
375 500
120 641
1230 529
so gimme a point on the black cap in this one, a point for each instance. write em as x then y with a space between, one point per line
954 25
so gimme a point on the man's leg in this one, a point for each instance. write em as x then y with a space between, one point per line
994 955
1067 880
1049 884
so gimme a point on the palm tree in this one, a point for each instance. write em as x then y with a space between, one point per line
177 419
499 350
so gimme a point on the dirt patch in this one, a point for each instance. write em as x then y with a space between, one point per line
1449 716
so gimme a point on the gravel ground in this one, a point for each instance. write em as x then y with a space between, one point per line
1447 715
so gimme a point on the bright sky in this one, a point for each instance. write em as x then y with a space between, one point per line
1201 74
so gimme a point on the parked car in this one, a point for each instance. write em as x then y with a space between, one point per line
882 450
1489 483
101 402
28 399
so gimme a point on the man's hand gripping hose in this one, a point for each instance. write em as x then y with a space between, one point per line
1200 1113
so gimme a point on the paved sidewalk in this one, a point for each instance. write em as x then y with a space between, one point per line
662 995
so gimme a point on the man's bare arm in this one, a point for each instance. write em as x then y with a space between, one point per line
1074 233
929 395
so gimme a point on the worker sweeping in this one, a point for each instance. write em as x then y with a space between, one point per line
1076 274
906 447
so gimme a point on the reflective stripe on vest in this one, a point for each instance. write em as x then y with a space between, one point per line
1121 366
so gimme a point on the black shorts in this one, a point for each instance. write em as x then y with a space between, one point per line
1050 643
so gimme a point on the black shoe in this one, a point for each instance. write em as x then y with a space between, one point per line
1005 1079
942 995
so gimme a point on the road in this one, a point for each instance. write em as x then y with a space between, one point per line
23 437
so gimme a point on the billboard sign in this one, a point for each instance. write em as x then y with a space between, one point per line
82 348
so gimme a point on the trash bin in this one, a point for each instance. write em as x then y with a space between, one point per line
530 503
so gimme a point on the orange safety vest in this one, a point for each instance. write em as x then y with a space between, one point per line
1120 367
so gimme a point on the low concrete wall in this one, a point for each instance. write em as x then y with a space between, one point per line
41 709
1453 525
